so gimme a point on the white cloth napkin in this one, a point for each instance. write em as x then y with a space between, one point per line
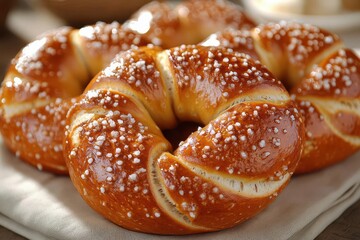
40 205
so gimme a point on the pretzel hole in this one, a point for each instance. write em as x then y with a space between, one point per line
180 133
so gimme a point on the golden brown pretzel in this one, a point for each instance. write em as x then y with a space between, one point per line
42 80
45 76
323 77
223 174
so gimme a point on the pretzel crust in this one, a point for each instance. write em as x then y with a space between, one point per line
221 175
322 76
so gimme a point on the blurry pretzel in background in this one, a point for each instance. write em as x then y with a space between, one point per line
48 73
221 175
323 77
188 22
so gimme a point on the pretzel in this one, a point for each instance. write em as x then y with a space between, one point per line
43 80
222 174
322 76
188 22
47 74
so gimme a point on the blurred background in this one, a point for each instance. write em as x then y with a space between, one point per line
28 18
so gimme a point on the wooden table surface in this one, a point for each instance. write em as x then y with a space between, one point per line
347 226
